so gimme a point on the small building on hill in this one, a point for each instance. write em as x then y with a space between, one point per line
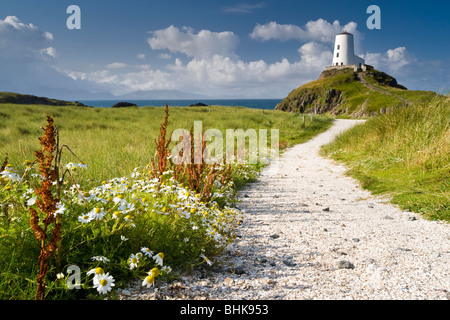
344 53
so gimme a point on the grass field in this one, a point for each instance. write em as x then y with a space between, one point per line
404 154
112 142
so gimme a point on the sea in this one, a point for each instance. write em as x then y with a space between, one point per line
266 104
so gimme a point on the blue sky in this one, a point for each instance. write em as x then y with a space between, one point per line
245 49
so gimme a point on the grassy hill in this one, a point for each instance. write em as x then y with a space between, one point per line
17 98
356 94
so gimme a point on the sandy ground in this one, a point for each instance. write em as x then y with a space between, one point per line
310 232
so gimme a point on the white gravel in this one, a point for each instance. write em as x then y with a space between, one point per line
292 247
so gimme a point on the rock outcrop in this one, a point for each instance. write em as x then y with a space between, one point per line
124 105
17 98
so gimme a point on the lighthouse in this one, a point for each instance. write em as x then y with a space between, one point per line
344 51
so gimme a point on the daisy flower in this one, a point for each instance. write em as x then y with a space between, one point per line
61 208
166 269
10 175
85 218
147 251
148 281
97 213
103 283
31 201
134 260
159 258
120 200
97 271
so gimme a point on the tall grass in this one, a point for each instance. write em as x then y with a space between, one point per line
405 154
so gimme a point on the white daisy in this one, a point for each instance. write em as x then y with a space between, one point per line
61 208
103 283
10 175
97 213
148 281
147 251
31 201
159 258
134 260
85 218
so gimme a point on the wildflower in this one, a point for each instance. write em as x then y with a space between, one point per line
123 238
147 251
148 281
166 269
159 258
103 283
61 208
85 218
133 261
60 276
100 258
154 272
97 271
7 174
97 213
31 201
117 215
120 200
206 259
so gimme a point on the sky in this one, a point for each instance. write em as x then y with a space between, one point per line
212 48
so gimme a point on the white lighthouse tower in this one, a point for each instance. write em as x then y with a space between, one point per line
344 51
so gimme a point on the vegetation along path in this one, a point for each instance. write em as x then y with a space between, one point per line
310 232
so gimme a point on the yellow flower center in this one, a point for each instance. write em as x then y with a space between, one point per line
99 270
117 214
97 210
193 210
120 196
144 199
161 255
155 272
134 260
86 194
164 209
129 217
103 282
150 279
85 217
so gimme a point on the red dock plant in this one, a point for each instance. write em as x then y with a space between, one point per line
46 226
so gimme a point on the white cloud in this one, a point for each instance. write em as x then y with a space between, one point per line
244 8
393 60
319 30
141 56
117 65
203 44
164 56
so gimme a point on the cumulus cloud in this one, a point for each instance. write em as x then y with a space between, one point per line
203 44
393 60
319 30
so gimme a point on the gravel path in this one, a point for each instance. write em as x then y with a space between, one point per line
310 232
